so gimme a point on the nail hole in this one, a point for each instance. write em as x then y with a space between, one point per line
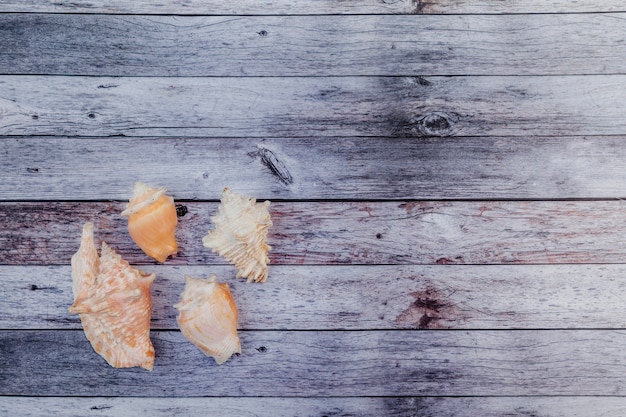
35 117
91 115
379 236
262 349
33 287
181 210
262 33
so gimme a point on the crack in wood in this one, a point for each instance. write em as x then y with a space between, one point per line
274 164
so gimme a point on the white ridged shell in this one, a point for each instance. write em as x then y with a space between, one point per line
240 235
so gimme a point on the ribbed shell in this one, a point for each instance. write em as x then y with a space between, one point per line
114 304
240 235
152 221
208 317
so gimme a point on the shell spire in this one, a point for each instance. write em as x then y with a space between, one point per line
240 235
208 317
152 221
114 304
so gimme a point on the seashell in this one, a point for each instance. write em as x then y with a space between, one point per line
152 221
208 317
240 235
114 304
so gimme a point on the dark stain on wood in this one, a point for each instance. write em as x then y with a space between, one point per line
181 210
101 407
422 7
422 81
428 310
275 165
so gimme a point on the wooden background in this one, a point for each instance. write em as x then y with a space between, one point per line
446 179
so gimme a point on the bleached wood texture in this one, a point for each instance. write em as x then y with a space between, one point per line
312 45
318 407
356 297
280 7
322 363
326 108
309 106
336 233
41 168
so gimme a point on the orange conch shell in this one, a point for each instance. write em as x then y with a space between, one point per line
152 221
208 317
240 235
114 304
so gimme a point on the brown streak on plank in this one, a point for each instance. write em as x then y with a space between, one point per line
336 233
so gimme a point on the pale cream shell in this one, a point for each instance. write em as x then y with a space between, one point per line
114 304
208 317
240 235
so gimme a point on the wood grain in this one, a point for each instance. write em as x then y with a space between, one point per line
337 233
356 297
373 45
318 407
281 7
318 363
43 168
309 107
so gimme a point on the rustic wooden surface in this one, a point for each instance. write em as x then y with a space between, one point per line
447 183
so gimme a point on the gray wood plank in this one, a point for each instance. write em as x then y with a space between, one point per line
316 168
368 233
312 45
367 363
356 297
320 407
280 7
318 106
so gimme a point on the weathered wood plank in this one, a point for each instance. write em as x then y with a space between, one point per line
45 168
320 407
356 297
368 233
317 106
312 45
368 363
280 7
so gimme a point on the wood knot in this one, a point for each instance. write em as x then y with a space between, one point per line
430 309
433 124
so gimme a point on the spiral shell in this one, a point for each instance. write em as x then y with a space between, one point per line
208 317
240 235
114 304
152 221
